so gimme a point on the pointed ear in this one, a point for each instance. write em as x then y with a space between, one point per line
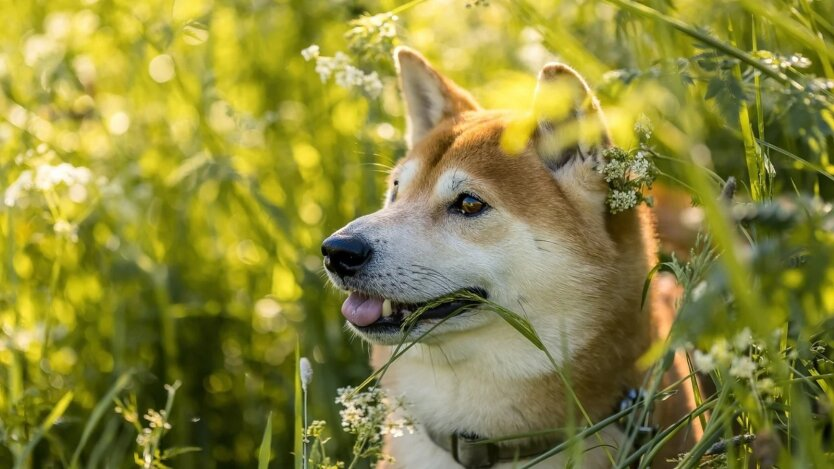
570 124
429 96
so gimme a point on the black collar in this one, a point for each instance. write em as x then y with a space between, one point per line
475 452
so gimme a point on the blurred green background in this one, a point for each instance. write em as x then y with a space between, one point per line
216 162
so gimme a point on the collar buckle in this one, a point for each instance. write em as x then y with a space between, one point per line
471 454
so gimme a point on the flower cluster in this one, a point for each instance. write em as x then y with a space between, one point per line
643 128
373 37
627 174
149 453
61 188
741 357
370 415
305 372
344 73
795 61
46 178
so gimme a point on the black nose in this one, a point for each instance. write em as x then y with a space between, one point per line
345 255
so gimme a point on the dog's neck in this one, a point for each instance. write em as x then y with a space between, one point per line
509 386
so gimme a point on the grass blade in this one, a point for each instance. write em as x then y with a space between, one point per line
264 453
98 412
648 12
44 428
298 446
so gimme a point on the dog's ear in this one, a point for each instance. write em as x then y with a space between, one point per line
429 96
570 132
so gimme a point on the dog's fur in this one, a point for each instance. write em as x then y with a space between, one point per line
546 248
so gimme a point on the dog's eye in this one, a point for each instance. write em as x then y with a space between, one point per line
468 205
394 190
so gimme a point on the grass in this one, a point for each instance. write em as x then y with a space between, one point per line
190 251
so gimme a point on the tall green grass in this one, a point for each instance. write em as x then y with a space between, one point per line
218 162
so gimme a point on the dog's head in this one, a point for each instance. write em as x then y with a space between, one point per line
528 230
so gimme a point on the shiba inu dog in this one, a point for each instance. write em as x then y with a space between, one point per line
529 232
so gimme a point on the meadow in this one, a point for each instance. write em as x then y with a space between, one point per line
169 169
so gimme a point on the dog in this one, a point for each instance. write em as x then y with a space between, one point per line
528 231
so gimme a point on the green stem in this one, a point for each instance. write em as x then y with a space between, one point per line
648 12
405 6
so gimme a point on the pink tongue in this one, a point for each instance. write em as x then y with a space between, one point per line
362 310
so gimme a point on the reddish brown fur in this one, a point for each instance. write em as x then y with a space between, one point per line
523 186
621 248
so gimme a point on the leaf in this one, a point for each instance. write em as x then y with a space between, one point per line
195 33
103 405
298 447
47 424
264 453
174 452
648 283
714 87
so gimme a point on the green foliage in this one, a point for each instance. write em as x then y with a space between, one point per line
169 169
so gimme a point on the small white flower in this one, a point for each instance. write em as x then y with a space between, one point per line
743 340
48 176
799 61
640 167
349 76
17 190
306 372
742 367
65 228
720 350
613 170
325 67
703 361
643 127
310 53
767 386
619 201
372 84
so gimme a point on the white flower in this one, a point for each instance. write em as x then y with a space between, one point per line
343 72
349 76
619 201
65 228
388 27
397 427
310 53
742 367
613 170
799 61
372 84
48 176
720 351
306 372
703 361
643 127
17 190
326 66
743 339
641 166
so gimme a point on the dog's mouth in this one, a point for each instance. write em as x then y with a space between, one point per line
372 313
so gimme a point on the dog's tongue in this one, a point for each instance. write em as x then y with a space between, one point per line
362 310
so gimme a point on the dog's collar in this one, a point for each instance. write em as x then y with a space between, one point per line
474 452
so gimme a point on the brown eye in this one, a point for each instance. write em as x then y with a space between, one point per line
469 205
